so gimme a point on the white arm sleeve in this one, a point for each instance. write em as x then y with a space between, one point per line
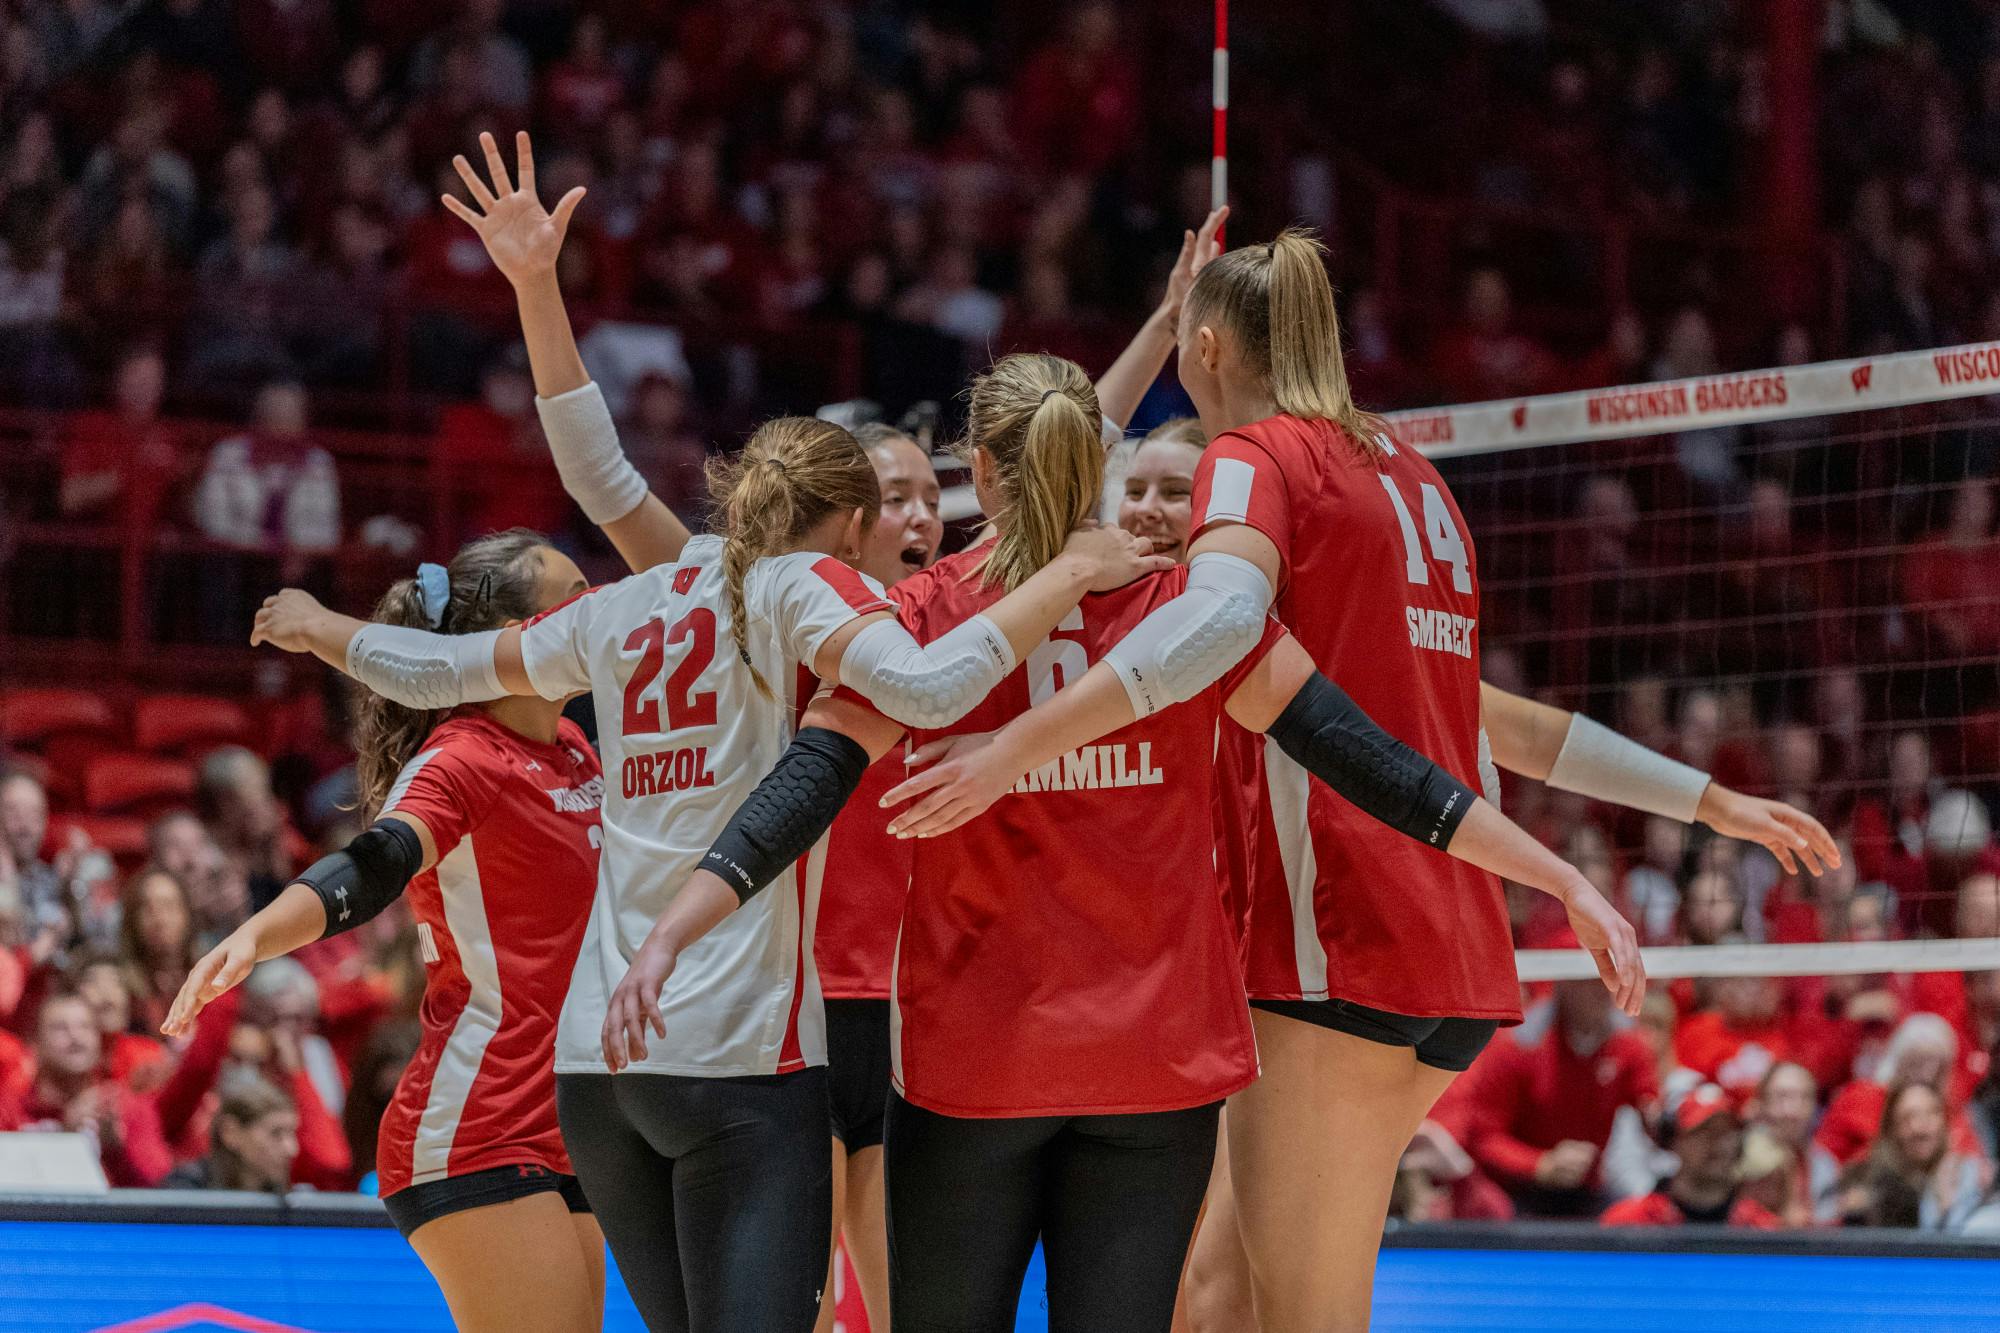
594 470
926 686
1597 762
419 669
1190 643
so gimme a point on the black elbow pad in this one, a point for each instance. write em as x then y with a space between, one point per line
794 804
355 883
1332 738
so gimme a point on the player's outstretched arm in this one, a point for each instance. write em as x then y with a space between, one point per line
1120 389
524 240
336 893
414 667
790 810
1569 751
935 684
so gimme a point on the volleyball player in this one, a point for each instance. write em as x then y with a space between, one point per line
1527 737
1068 1023
1389 966
489 817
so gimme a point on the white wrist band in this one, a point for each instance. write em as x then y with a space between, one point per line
593 468
1597 762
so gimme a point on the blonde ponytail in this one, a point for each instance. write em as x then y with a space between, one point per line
1278 304
1037 417
793 473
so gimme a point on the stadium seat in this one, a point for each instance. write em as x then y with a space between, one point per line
136 784
188 724
29 717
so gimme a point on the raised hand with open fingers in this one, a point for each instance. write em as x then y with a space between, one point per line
522 237
1197 248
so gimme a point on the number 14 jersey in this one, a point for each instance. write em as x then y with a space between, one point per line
686 736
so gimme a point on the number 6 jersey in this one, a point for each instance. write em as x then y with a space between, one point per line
686 736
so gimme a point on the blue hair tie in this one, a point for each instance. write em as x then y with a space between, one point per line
433 591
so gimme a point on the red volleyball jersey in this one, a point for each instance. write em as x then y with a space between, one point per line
1068 952
861 876
499 920
1379 585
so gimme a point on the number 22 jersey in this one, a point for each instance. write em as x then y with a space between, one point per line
686 736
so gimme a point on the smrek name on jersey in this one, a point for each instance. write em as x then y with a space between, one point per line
1093 768
1440 631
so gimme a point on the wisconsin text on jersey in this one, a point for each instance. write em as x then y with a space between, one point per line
1440 631
1093 768
577 800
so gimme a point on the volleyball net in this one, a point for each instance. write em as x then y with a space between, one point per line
1787 577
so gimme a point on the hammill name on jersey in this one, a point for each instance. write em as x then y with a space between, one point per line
1094 768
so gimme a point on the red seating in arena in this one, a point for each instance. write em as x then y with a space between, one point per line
188 724
35 716
130 783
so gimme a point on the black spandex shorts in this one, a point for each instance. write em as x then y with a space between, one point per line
1113 1199
715 1193
414 1205
1450 1044
857 1070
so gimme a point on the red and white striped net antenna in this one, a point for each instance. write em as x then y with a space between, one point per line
1218 168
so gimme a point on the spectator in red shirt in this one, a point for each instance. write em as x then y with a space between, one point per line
1536 1109
1484 356
1923 1050
581 90
70 1093
253 1140
132 1059
1076 107
1736 1043
155 942
494 453
1889 827
1708 1139
119 461
1949 580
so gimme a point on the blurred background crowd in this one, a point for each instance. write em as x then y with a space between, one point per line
240 342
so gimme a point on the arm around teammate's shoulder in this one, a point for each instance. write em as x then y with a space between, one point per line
936 684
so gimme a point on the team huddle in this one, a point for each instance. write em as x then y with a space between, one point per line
1004 873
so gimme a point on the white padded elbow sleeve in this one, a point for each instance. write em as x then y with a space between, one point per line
1191 642
1597 762
1489 772
419 669
594 470
927 686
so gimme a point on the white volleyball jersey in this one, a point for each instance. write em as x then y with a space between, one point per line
686 736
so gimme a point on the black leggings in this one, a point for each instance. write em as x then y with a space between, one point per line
1112 1197
716 1194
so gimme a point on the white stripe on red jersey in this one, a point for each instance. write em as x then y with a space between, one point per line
499 920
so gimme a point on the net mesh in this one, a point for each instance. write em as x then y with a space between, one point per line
1808 608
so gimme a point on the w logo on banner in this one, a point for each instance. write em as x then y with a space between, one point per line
1862 375
1520 415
